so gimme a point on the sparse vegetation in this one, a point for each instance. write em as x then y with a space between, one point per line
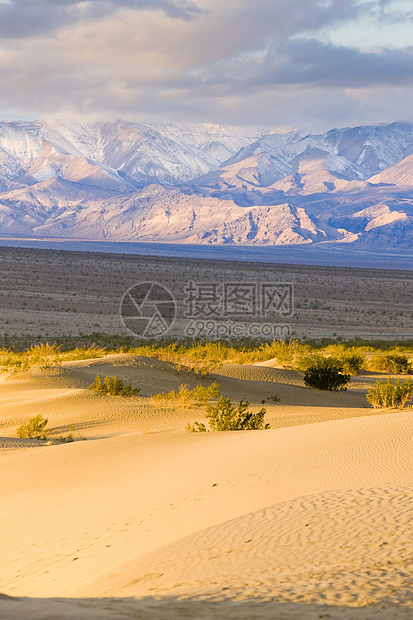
392 362
112 386
196 427
352 358
43 356
202 357
285 352
325 373
224 416
84 353
274 398
200 395
34 429
388 395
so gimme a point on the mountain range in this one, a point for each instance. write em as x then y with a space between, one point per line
204 184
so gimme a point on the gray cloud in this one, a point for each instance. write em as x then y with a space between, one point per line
266 62
26 18
310 62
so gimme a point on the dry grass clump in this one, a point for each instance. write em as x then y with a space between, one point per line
84 353
43 356
200 395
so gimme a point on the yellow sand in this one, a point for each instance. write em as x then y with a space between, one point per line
143 520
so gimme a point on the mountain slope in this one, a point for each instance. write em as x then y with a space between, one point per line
127 181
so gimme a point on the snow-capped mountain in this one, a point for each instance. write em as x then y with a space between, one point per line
128 181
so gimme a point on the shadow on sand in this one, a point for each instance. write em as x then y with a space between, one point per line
177 609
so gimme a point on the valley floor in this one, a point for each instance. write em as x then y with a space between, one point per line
48 293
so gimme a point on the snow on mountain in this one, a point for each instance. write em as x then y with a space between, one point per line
130 181
314 172
400 174
373 148
148 152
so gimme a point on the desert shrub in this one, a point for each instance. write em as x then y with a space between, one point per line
200 394
393 362
304 360
325 373
112 386
34 429
224 416
196 427
203 394
390 395
351 358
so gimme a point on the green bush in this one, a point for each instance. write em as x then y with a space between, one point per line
203 394
304 360
224 416
34 429
352 361
325 373
395 363
390 395
112 386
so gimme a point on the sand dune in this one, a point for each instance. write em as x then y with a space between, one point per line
63 397
340 547
144 520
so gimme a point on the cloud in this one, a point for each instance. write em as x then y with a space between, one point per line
309 62
27 18
268 62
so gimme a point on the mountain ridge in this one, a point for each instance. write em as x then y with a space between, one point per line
204 184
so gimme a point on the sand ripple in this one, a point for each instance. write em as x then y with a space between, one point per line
340 548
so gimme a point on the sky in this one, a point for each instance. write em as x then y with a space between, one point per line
307 64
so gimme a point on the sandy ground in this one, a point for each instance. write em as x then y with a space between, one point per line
310 519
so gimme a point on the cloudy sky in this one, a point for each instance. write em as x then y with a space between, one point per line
311 64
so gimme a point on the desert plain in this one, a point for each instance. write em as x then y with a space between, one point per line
138 519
